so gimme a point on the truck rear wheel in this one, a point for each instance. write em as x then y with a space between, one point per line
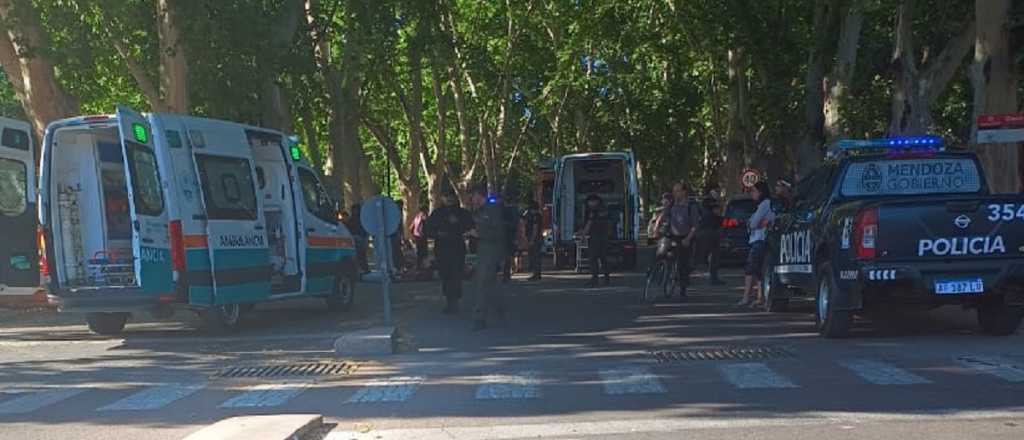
343 296
222 318
999 319
831 323
106 323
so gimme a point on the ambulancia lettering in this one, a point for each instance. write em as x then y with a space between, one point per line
961 246
249 240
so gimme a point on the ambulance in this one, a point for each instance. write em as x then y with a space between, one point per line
19 273
160 212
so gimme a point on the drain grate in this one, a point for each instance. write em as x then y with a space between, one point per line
721 354
303 369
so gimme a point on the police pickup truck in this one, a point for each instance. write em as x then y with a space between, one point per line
900 222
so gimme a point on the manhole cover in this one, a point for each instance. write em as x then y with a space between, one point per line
302 369
721 354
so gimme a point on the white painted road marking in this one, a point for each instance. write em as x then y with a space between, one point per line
395 389
631 380
632 427
997 366
754 375
881 373
266 395
519 386
36 399
154 397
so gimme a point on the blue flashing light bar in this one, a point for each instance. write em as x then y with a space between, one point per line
885 145
492 199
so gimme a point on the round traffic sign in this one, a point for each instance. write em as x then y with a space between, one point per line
749 178
380 216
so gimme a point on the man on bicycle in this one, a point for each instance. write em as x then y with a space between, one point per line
679 223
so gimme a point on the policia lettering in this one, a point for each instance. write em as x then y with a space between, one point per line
961 246
795 248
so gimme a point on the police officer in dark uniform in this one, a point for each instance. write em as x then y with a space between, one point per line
532 219
447 226
511 216
597 229
491 242
709 233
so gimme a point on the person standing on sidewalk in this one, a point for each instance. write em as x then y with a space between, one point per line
709 234
758 226
490 232
597 229
448 226
510 213
682 220
419 240
532 219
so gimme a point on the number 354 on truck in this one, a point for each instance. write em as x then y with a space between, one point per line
898 223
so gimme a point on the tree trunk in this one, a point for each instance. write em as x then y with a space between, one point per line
316 155
173 63
995 90
736 154
30 72
839 81
808 153
276 110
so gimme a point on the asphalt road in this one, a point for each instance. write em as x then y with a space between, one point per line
569 363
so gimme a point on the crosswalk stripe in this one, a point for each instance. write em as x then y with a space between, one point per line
266 395
631 380
994 365
519 386
754 375
154 397
395 389
881 373
35 400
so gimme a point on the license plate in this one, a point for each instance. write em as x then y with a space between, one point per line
956 287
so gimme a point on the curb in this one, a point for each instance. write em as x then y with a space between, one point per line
271 427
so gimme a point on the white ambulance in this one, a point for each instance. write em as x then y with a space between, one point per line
160 212
19 273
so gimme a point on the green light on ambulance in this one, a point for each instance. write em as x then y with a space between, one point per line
140 133
295 152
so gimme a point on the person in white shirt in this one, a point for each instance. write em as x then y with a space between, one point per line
758 227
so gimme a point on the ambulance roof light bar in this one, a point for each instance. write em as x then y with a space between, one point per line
886 145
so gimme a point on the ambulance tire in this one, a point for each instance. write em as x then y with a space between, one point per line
343 296
999 319
223 318
106 323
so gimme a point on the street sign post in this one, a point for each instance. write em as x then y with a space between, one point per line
381 217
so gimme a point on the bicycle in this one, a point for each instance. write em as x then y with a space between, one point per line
662 274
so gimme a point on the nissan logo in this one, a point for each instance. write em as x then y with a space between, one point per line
962 222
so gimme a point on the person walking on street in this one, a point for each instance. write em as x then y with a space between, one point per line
359 236
709 234
448 226
491 238
419 240
510 214
758 226
680 224
532 219
597 229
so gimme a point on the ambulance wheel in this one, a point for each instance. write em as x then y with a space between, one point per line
343 296
831 323
999 319
222 318
106 323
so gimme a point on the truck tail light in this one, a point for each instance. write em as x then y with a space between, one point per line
44 263
177 245
865 234
730 223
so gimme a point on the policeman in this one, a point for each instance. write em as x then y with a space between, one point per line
490 233
597 229
532 218
447 226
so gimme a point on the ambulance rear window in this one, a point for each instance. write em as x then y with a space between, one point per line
227 188
13 188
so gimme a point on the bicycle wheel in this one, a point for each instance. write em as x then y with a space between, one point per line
669 285
653 280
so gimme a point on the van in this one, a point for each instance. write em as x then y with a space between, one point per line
612 177
160 212
19 271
